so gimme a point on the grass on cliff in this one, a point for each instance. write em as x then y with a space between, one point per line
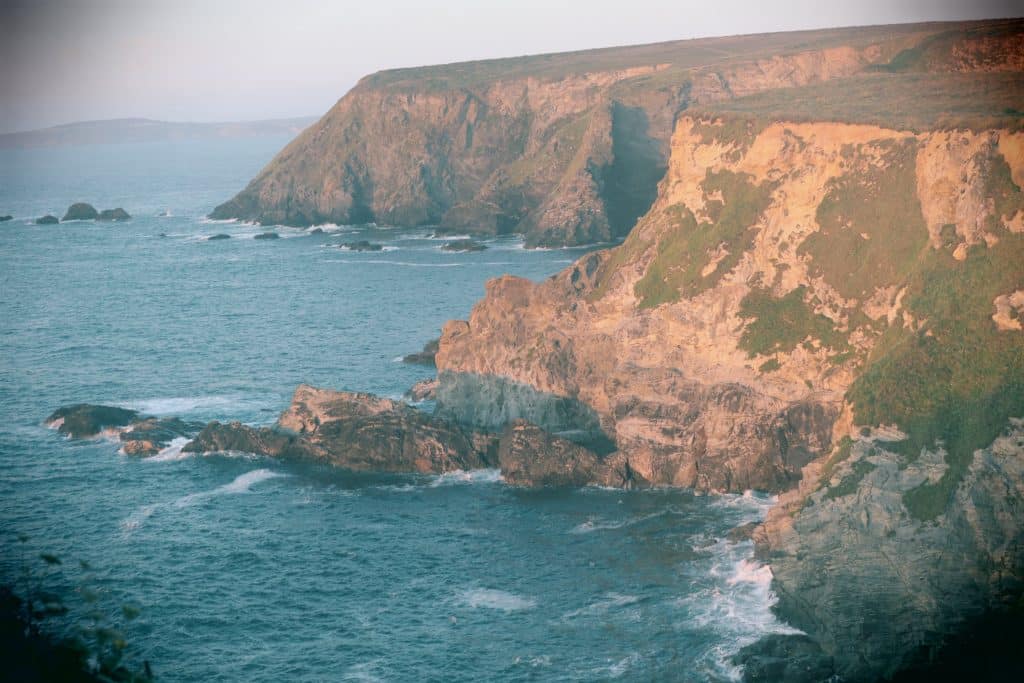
685 251
872 232
958 379
780 324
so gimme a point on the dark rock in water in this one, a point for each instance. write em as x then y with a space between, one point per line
219 236
83 420
217 437
424 357
530 456
163 234
150 435
117 214
4 219
785 659
267 236
744 532
424 390
80 211
316 231
463 245
48 219
361 245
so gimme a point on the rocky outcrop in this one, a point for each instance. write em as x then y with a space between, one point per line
531 457
150 435
361 245
463 246
81 211
218 236
84 420
117 214
48 219
425 356
266 236
138 434
424 390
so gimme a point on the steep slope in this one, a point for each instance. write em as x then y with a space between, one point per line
830 309
567 149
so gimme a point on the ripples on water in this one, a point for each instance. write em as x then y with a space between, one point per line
250 569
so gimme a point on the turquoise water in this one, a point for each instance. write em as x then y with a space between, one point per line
249 569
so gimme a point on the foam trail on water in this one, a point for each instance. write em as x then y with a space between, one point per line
172 451
486 476
489 598
241 484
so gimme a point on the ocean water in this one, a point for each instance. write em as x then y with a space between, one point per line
248 569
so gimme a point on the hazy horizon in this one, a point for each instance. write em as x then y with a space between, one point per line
223 61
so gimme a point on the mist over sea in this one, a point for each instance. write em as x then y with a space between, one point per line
249 569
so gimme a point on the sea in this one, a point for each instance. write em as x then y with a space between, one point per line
244 568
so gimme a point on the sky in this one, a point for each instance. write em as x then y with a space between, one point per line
228 60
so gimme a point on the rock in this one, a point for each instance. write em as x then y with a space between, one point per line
216 437
424 357
463 246
785 659
48 219
163 234
218 236
316 231
424 390
150 435
83 420
361 245
743 532
4 219
267 236
81 211
117 214
529 456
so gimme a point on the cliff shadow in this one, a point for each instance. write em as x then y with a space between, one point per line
630 182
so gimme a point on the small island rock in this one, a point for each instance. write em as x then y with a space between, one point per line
48 219
81 211
117 214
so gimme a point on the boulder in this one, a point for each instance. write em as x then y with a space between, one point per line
267 236
48 219
424 357
463 245
117 214
218 236
80 211
83 420
361 245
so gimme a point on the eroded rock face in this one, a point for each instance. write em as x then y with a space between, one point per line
529 456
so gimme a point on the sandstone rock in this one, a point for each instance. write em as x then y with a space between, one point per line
83 420
117 214
80 212
424 357
48 219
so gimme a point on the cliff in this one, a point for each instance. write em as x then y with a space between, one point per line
566 149
825 307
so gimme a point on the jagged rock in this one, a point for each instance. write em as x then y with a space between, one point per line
150 435
48 219
463 246
218 236
530 456
83 420
117 214
267 236
424 357
424 390
361 245
217 437
785 659
80 211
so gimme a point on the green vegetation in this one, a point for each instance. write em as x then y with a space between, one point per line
850 482
740 131
872 230
780 324
957 380
770 365
687 247
839 454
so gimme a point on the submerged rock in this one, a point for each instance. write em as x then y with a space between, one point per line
267 236
83 420
218 236
424 357
48 219
361 245
463 245
117 214
4 219
81 211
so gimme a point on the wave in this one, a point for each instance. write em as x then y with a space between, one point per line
609 601
598 524
483 476
398 263
178 405
172 451
489 598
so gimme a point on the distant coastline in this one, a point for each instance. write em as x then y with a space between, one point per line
120 131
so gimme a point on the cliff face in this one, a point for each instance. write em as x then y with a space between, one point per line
566 149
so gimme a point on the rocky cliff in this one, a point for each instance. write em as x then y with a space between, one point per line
825 308
567 149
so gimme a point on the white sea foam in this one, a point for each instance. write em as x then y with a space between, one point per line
181 404
483 476
172 451
607 602
489 598
409 264
598 524
243 483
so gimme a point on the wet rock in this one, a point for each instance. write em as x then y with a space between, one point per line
785 659
83 420
424 390
744 532
81 211
316 231
361 245
150 435
48 219
218 236
267 236
424 357
530 456
117 214
463 246
217 437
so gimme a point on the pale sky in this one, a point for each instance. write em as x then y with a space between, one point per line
223 60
